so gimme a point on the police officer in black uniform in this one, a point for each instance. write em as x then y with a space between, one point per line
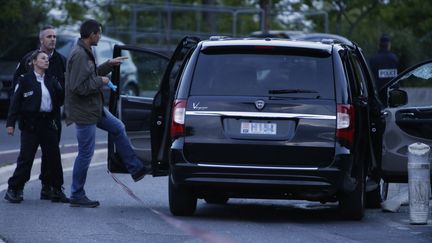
384 66
34 104
57 68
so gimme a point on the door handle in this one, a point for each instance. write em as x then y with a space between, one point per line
408 115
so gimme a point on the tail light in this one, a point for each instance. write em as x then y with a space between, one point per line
345 124
178 118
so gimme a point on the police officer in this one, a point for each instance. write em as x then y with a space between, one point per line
35 102
47 38
384 66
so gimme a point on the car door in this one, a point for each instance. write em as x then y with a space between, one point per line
146 116
408 122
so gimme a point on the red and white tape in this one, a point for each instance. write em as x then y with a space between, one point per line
181 225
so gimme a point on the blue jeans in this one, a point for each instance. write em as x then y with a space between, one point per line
86 143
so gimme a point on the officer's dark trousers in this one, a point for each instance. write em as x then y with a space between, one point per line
44 134
44 176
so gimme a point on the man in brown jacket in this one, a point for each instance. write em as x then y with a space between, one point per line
84 107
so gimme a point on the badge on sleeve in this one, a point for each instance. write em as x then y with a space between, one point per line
27 94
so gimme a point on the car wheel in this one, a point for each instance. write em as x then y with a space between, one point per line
216 199
352 205
182 201
384 190
373 198
131 90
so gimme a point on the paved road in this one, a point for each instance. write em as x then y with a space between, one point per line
120 218
9 145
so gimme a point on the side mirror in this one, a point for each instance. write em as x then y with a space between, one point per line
397 98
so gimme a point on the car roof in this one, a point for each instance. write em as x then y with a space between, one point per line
288 34
322 37
327 47
75 34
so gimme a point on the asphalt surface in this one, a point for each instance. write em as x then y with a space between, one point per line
121 218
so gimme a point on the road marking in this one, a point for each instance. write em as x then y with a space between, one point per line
66 159
61 146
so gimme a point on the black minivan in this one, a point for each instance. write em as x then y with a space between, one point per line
257 118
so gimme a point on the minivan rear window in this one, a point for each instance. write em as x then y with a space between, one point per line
260 74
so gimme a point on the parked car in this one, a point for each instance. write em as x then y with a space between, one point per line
300 35
65 41
323 37
408 118
259 118
285 34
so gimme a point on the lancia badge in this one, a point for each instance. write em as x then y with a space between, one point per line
259 104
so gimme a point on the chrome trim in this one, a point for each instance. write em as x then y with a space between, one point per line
260 114
258 167
135 98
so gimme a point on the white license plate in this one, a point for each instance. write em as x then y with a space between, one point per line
258 128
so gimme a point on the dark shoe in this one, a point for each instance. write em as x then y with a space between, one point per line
83 202
45 192
14 196
141 173
57 195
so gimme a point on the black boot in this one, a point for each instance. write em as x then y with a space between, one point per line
83 202
14 196
57 195
45 192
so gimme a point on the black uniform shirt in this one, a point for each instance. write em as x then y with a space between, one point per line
27 98
57 67
384 67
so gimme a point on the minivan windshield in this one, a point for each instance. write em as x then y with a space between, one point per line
259 74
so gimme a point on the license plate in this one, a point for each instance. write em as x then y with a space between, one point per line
258 128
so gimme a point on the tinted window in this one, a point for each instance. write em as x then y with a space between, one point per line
418 84
259 74
64 45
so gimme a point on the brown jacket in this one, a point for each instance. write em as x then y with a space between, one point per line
83 95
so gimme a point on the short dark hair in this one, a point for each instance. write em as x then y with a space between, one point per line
88 27
46 27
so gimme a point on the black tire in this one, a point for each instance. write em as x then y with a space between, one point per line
384 190
182 201
352 205
131 90
373 198
216 199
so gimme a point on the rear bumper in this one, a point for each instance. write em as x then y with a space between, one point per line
307 183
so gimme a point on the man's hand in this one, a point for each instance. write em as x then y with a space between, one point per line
105 80
117 61
10 131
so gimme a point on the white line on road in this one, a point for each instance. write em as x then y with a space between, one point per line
67 159
61 146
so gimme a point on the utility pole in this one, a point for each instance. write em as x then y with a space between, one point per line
265 5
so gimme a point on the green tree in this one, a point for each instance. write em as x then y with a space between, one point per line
21 17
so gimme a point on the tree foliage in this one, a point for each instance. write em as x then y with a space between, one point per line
20 17
363 21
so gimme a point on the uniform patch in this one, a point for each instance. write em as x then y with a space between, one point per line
387 73
27 94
